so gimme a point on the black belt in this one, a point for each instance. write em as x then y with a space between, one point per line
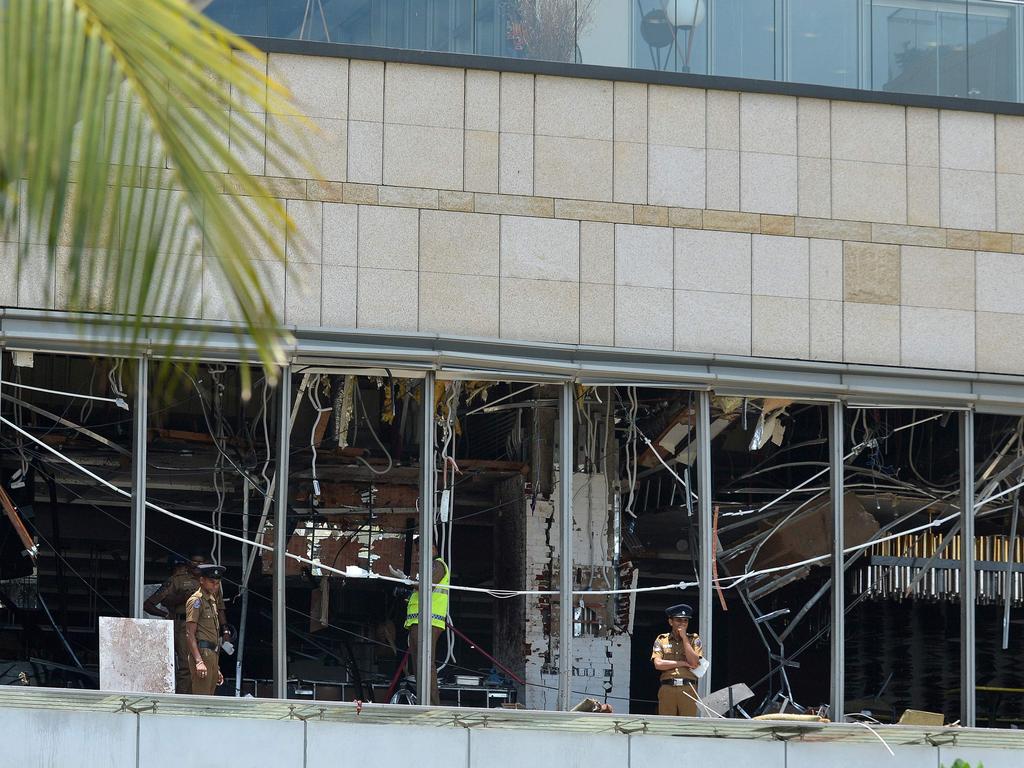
208 645
672 681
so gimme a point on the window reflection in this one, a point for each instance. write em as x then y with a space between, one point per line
991 51
601 33
960 48
744 38
823 42
671 35
919 47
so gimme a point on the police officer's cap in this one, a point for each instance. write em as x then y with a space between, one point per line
681 611
211 571
175 559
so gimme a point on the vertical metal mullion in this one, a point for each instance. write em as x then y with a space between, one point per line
838 656
865 47
780 59
280 623
704 516
967 575
710 21
425 657
565 568
1018 51
137 532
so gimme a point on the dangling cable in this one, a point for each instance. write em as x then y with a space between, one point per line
362 407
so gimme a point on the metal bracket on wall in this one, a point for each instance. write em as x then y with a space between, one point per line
126 707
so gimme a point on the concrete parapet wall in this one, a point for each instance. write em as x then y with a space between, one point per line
51 738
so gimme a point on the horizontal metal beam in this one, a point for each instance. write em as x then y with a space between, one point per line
460 357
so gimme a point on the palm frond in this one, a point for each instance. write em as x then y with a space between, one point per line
114 125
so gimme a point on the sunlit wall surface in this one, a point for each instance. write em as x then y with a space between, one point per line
959 48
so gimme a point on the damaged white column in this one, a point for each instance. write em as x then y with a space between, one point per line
136 655
600 653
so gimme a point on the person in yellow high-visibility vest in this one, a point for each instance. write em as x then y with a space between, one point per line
441 577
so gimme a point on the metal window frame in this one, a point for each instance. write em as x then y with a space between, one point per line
968 577
966 392
566 568
425 655
279 606
838 630
706 533
137 529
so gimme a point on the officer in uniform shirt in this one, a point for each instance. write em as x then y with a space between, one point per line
675 655
172 595
204 631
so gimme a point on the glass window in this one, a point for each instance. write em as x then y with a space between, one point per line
919 47
243 17
670 35
544 31
823 42
991 49
743 32
357 21
602 32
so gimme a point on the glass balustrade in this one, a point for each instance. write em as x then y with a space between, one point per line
958 48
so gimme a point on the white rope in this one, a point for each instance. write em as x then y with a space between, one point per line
877 736
118 401
496 593
995 496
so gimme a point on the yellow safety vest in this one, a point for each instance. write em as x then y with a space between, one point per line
438 603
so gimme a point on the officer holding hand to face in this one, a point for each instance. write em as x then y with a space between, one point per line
676 654
204 631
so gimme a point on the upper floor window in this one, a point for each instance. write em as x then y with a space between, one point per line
960 48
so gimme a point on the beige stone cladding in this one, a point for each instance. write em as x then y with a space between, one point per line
585 211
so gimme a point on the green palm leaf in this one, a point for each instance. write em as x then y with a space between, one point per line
114 125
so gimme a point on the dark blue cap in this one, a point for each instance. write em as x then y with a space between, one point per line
211 571
681 611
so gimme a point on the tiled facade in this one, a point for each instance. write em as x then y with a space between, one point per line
542 208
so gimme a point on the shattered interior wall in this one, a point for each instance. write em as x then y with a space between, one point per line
600 658
510 573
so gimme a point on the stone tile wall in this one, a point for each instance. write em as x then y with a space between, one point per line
584 211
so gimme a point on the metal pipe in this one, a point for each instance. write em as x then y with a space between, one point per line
706 595
967 575
245 592
1009 589
565 569
280 620
838 657
137 531
425 657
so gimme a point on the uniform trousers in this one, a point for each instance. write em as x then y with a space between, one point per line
676 700
205 685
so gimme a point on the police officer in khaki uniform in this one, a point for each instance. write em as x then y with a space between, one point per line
204 631
172 595
675 655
